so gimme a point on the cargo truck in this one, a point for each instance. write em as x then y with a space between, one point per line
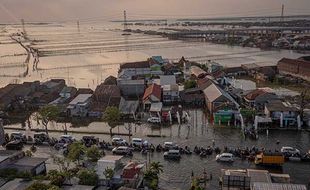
271 159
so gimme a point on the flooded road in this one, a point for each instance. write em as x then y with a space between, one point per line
177 174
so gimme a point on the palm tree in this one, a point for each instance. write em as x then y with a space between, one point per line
156 167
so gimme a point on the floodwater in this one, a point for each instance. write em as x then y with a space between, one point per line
201 133
86 56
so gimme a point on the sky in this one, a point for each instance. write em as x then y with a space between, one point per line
66 10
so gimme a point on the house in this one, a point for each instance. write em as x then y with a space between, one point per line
79 106
14 96
67 92
166 80
170 93
128 70
104 96
216 99
52 86
282 112
111 80
132 174
234 71
18 160
151 95
197 72
129 108
265 73
131 88
170 69
258 98
294 67
192 97
214 67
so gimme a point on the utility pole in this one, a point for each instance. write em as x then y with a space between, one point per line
282 13
78 26
125 21
23 25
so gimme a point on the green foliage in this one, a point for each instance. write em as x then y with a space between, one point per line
190 84
41 186
76 151
87 177
46 114
156 167
56 177
108 173
112 116
93 153
28 153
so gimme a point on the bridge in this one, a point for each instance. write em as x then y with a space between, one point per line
239 32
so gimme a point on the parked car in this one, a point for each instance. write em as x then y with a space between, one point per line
89 140
172 154
170 146
289 150
153 120
40 138
14 145
122 150
224 157
18 136
66 138
139 142
116 141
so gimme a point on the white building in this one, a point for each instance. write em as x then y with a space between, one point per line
78 107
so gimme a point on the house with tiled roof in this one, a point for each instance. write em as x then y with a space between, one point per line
258 98
151 95
216 99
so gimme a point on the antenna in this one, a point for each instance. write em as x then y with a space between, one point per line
125 20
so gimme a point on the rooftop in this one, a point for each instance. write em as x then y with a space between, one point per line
141 64
110 158
154 90
30 161
167 79
81 98
128 106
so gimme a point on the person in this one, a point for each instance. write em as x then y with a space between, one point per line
213 143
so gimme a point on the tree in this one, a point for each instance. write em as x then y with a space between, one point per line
75 152
47 114
56 177
190 84
93 153
112 116
109 174
156 167
87 177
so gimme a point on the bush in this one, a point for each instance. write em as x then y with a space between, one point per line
93 153
190 84
88 177
41 186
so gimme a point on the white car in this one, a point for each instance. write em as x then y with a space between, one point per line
289 150
66 138
224 157
118 141
139 142
122 150
153 120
